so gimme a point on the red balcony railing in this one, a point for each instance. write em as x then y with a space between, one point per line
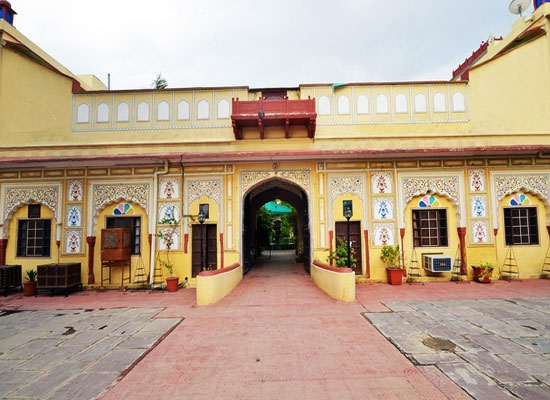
274 112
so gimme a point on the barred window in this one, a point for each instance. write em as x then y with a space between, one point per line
521 226
33 237
430 228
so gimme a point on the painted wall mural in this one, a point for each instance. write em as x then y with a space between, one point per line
46 195
209 188
108 193
478 206
443 185
169 211
520 199
173 240
429 202
382 208
480 232
508 184
301 178
124 209
477 180
353 185
382 182
169 188
384 234
74 216
75 190
73 241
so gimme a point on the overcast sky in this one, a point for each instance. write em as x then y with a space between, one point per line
261 43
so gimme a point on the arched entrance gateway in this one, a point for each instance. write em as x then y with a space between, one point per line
271 189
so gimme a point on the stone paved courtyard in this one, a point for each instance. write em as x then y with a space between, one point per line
493 349
73 354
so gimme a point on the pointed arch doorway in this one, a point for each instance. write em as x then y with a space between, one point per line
269 190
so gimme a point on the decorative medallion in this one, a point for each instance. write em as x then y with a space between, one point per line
382 182
108 193
169 211
301 178
535 183
384 234
167 240
444 185
480 231
169 188
382 208
74 215
520 200
209 188
73 241
428 202
478 206
352 184
16 196
477 180
124 209
75 190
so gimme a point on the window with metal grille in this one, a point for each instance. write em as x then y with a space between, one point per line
429 228
33 237
521 226
133 223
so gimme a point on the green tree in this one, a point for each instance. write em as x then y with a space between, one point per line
159 82
340 255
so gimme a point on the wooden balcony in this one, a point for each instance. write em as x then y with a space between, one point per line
273 112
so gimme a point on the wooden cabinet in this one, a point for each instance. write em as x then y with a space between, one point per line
116 244
58 276
10 277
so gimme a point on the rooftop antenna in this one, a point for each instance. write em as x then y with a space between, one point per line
519 6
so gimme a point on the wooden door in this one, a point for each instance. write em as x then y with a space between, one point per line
355 239
209 247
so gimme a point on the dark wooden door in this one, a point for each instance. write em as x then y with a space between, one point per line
209 247
355 239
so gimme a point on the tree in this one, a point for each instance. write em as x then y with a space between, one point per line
159 82
340 255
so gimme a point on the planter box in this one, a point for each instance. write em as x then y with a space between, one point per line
478 271
10 278
54 277
395 276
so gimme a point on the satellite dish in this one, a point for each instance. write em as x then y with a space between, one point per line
519 6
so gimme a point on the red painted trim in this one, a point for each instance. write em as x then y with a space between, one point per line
3 248
221 250
383 153
91 245
330 239
462 238
322 265
185 242
220 271
367 253
495 231
402 235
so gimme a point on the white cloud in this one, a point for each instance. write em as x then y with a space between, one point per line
245 42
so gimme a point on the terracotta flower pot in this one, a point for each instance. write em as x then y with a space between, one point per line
395 276
30 288
172 283
478 271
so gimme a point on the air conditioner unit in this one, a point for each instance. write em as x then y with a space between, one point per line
437 263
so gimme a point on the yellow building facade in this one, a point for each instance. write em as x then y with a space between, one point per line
460 167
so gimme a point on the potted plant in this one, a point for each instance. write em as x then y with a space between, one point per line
483 271
391 257
167 235
30 285
340 255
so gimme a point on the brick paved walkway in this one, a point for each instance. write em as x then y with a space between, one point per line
278 336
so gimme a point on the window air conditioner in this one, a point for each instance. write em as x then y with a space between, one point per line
437 263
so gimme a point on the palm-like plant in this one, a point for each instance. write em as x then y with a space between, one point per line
159 82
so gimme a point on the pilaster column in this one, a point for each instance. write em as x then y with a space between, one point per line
462 239
91 246
3 248
367 252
